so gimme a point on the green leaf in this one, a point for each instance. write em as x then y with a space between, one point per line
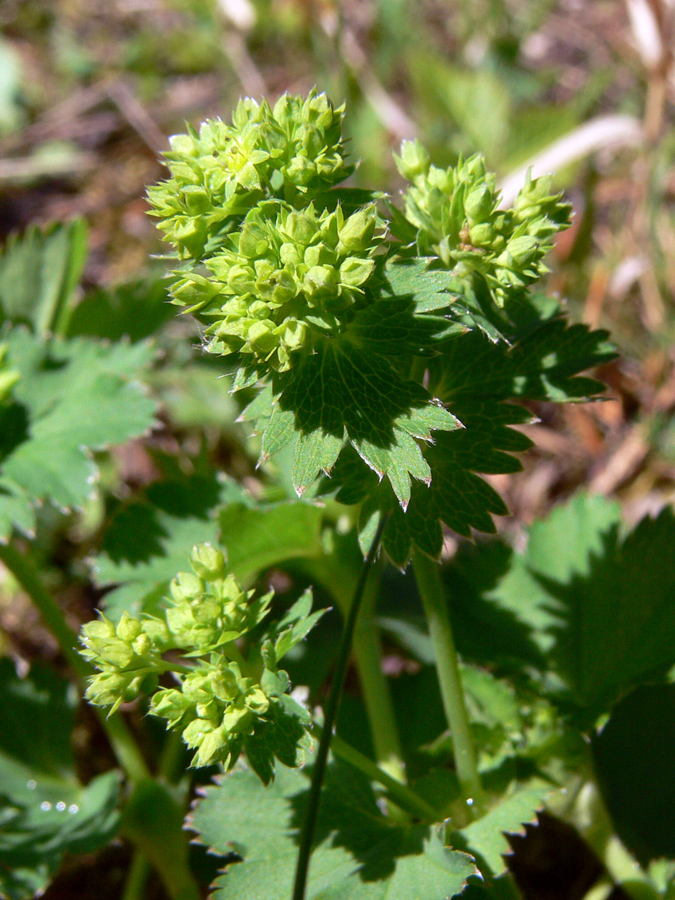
475 378
44 810
296 624
72 397
634 764
257 537
485 838
135 311
599 606
39 271
149 541
346 388
358 854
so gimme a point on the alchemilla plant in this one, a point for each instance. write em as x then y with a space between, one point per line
386 347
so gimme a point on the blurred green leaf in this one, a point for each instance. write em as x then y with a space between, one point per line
600 607
72 397
44 810
39 271
634 764
136 310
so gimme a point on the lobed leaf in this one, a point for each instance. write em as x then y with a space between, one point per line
359 854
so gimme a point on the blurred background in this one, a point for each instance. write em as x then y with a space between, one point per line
91 89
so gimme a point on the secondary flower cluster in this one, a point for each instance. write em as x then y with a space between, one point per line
222 172
221 701
456 211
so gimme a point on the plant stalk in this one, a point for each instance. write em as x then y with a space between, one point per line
367 653
427 575
330 713
400 793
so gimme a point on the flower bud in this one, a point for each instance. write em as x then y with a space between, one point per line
128 628
186 586
413 161
208 562
479 202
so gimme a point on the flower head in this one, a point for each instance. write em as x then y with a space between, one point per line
282 279
458 217
291 151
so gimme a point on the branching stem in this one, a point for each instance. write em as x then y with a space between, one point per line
431 590
330 713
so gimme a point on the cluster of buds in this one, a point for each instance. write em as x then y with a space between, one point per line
128 657
459 219
216 708
208 608
8 377
285 277
271 259
221 700
220 173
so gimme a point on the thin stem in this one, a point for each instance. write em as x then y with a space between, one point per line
403 795
170 770
430 587
330 713
137 877
367 655
121 739
367 652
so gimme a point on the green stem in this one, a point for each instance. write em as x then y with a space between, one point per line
137 877
400 793
337 578
428 578
170 770
367 652
330 713
121 739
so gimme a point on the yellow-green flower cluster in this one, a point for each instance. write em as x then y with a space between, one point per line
208 608
221 172
457 214
285 277
128 656
216 708
222 703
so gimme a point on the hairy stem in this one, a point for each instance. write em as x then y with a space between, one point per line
400 793
428 579
330 713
